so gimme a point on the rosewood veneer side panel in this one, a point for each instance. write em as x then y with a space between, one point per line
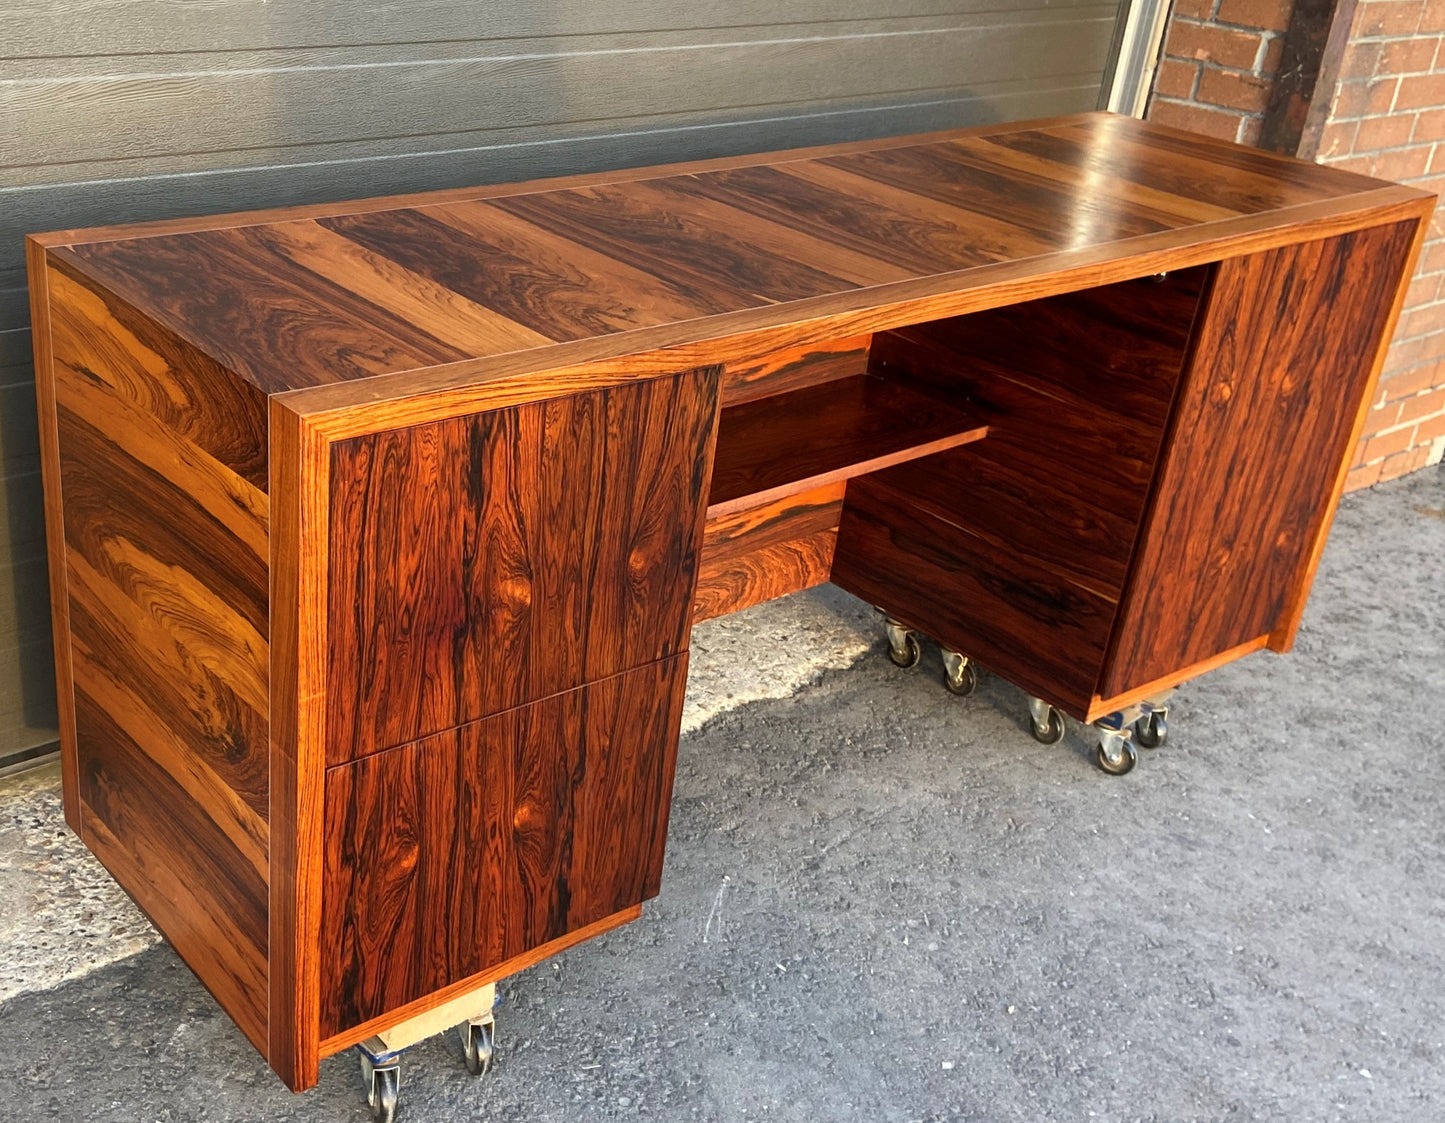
166 552
472 847
1282 360
489 560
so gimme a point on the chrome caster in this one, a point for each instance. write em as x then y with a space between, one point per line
1116 754
478 1044
959 673
381 1076
1151 729
903 645
1045 722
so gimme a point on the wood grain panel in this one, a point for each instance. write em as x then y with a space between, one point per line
765 552
40 302
469 848
163 848
648 263
1038 521
150 369
793 368
1281 363
794 442
1076 391
483 562
692 247
260 314
949 583
167 617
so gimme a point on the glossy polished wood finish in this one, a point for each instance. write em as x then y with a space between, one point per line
1264 418
413 488
603 259
470 848
484 562
166 606
764 552
802 440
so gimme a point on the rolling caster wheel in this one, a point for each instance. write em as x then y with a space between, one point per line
1116 759
477 1045
959 674
903 646
383 1087
1151 730
1045 722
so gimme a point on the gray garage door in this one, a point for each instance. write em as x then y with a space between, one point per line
115 110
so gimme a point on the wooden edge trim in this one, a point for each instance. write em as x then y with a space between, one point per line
1102 707
420 1006
83 235
842 475
299 486
38 278
413 397
1283 637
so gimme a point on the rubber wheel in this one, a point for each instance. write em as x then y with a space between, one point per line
966 685
912 652
385 1089
1050 734
1151 731
478 1046
1124 764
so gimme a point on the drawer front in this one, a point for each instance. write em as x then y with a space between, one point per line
482 562
450 856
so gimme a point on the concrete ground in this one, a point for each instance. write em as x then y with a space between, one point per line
882 902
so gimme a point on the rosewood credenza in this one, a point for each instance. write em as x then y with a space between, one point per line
377 530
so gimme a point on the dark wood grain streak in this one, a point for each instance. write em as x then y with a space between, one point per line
275 317
765 552
454 854
531 276
1076 391
151 369
483 562
165 849
167 638
962 177
911 233
794 368
1281 360
547 275
702 253
950 583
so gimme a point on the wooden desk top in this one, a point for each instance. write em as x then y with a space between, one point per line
383 299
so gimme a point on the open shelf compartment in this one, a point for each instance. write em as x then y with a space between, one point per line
788 443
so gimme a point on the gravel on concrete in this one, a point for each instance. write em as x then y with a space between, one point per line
882 902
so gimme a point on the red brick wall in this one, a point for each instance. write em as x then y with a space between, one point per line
1219 62
1387 118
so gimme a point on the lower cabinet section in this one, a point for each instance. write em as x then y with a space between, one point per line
454 854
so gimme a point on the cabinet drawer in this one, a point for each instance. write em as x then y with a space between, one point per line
482 562
450 856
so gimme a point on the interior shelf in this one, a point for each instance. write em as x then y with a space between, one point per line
788 443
